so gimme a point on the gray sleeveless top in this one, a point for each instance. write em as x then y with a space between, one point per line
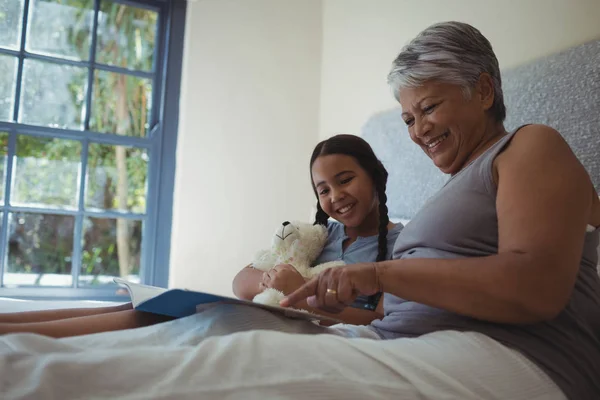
461 221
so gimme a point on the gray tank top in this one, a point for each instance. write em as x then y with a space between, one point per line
461 221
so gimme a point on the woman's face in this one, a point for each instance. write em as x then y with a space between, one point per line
345 191
444 123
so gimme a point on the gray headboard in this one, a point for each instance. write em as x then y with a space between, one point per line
562 91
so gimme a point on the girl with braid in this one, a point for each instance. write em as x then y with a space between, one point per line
349 183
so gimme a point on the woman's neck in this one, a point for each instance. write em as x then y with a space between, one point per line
491 135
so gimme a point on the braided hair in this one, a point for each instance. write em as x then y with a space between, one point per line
362 152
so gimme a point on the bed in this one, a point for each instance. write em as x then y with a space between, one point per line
562 90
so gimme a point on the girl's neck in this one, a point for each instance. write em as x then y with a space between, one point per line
369 227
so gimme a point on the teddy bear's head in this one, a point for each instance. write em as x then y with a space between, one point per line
298 243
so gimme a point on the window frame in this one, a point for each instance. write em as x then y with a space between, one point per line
160 142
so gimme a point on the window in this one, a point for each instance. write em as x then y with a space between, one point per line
87 143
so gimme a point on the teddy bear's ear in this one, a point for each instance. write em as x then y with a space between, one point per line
299 224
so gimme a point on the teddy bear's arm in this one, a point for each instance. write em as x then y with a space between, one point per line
317 269
264 260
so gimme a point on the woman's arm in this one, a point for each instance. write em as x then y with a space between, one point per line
543 203
247 284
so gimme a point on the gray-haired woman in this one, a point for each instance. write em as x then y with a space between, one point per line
497 272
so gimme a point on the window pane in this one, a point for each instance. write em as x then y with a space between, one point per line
60 28
3 154
46 172
116 178
121 104
8 67
111 247
126 36
53 95
40 249
11 17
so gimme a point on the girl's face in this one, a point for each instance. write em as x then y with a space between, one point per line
345 191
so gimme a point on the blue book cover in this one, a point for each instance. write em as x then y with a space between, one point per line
180 303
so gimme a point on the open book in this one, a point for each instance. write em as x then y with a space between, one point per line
181 302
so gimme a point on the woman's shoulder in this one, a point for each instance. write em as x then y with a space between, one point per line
531 147
540 160
536 136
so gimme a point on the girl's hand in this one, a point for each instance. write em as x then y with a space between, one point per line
336 288
283 277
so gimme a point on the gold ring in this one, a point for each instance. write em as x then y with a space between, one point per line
331 291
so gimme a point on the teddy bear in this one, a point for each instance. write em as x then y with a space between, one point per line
298 244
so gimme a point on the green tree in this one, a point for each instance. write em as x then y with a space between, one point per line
120 105
121 102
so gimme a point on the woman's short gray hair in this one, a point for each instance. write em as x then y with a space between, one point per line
449 52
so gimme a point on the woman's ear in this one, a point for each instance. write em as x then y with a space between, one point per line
485 91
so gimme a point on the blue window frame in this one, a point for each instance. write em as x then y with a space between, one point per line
88 173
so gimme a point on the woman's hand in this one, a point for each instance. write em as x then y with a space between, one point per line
336 288
283 277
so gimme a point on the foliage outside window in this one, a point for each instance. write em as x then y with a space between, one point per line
78 128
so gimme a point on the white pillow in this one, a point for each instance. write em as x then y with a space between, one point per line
399 220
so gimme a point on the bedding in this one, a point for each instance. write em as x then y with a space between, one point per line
175 360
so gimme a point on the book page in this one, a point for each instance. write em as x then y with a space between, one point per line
180 303
138 292
286 312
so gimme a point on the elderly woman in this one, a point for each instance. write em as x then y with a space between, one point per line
492 293
498 270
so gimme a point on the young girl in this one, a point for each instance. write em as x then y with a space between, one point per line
349 182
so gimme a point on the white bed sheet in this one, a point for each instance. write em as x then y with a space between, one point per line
198 357
193 357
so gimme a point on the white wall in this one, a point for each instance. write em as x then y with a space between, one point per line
248 123
361 38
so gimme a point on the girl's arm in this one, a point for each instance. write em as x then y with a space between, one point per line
53 315
246 283
349 315
85 325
